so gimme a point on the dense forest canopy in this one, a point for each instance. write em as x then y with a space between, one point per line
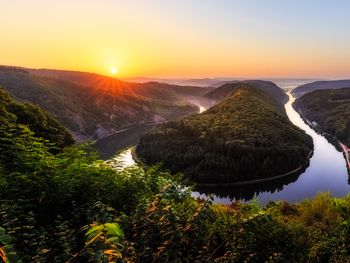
246 136
330 109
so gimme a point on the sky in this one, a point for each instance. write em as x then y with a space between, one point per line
182 38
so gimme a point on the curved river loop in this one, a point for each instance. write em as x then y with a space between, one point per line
326 172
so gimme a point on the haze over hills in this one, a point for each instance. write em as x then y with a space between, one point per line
246 136
319 85
285 83
92 106
201 82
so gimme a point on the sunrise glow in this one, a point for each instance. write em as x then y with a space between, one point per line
179 38
113 71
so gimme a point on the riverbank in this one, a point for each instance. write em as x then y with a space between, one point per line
263 180
346 151
330 138
122 139
241 183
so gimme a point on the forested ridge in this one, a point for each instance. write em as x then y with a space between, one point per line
60 203
330 109
320 85
267 87
244 137
92 106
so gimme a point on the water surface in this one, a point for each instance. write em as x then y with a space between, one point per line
326 173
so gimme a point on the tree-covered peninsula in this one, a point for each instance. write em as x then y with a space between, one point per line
246 136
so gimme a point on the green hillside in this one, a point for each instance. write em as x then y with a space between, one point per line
41 123
330 109
246 136
93 106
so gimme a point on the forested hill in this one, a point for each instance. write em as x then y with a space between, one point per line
267 86
319 85
246 136
330 109
92 106
41 123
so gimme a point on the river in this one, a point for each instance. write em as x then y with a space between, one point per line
326 172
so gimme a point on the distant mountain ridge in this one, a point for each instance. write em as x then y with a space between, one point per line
265 86
92 106
320 85
284 83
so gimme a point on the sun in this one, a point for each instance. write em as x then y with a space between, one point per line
113 70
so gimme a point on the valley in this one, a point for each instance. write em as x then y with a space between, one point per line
92 106
326 171
48 182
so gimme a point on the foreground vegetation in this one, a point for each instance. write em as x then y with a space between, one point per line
65 205
246 136
330 109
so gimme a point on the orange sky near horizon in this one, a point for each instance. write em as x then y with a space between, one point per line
172 39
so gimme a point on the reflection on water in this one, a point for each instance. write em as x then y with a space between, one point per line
326 172
122 160
248 192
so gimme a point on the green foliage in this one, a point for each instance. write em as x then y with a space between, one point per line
41 123
173 227
330 109
5 247
20 115
247 136
105 242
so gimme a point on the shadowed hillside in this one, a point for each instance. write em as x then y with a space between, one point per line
330 109
319 85
92 106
